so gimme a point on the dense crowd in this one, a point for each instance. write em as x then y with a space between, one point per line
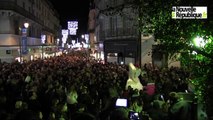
74 86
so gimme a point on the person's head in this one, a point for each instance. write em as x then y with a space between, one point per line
173 97
72 97
27 115
156 105
165 107
136 104
83 116
129 88
119 114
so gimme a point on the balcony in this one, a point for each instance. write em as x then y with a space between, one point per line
11 5
119 33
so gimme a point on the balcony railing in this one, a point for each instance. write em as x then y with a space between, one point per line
118 33
11 5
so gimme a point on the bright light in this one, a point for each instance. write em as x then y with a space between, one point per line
72 31
73 42
58 40
43 38
72 24
199 42
86 36
64 32
26 25
64 39
86 46
194 53
82 36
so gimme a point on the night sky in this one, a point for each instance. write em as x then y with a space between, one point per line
73 10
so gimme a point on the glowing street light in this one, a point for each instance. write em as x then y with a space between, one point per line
82 36
199 42
26 25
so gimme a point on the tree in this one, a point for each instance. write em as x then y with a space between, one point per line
176 36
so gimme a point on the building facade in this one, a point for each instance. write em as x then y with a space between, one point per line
41 35
117 29
116 36
117 32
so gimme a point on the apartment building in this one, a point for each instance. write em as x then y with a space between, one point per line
41 35
117 32
116 36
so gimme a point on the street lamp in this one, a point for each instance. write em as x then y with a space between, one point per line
23 42
199 42
26 25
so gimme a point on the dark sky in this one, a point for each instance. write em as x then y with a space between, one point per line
73 10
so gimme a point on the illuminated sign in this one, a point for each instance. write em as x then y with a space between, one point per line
87 38
43 38
72 31
189 12
24 45
72 24
65 32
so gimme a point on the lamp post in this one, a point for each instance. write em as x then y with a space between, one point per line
23 42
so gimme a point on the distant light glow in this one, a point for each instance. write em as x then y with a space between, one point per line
43 39
77 45
72 24
86 46
82 36
87 38
194 53
64 40
26 25
58 40
199 42
72 31
64 32
101 45
73 42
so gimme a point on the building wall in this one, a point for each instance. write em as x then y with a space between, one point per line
42 19
116 24
118 28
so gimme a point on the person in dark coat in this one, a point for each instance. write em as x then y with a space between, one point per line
180 109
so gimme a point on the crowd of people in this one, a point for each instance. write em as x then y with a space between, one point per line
74 86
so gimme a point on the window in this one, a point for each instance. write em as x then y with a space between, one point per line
8 51
24 5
